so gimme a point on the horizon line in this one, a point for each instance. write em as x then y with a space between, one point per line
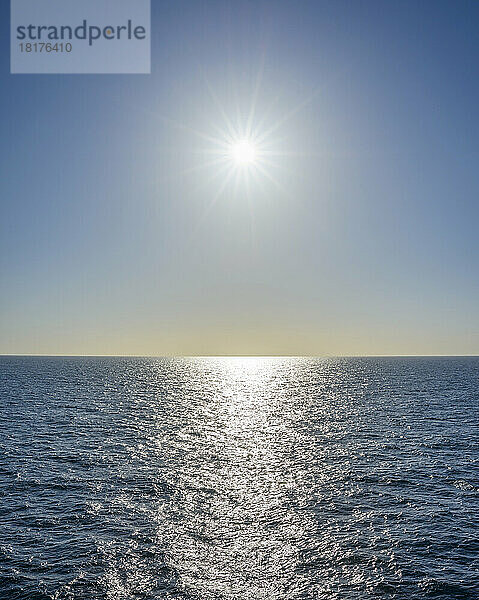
240 355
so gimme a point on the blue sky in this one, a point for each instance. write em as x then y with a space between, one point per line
360 239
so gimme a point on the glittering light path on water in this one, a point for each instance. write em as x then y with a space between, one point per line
229 479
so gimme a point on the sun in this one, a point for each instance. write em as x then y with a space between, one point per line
243 152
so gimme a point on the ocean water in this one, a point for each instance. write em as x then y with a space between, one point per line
239 479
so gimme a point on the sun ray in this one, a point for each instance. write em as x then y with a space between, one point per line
220 191
220 107
268 176
183 127
247 152
254 97
289 114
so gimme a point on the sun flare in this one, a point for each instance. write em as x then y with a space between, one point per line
243 152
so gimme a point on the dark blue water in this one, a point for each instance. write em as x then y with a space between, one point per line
240 479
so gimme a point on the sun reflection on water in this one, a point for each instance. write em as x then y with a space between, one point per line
239 534
242 479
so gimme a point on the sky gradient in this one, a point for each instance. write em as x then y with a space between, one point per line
118 235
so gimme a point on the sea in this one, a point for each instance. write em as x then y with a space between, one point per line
239 478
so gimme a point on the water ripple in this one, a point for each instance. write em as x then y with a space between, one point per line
239 479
